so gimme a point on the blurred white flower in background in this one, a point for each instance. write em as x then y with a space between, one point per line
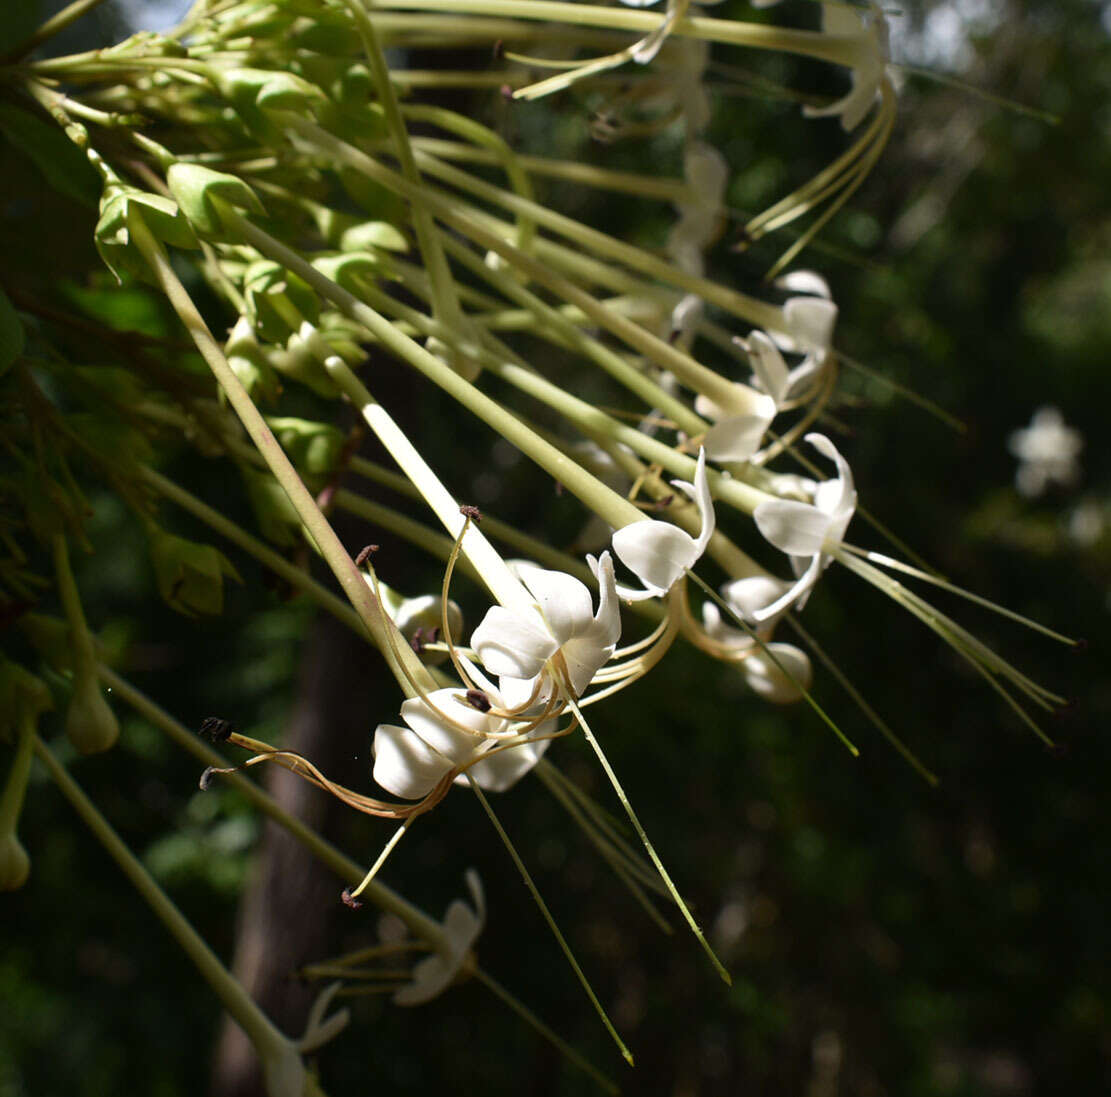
1047 452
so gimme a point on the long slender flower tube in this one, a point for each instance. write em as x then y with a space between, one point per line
660 553
560 643
807 531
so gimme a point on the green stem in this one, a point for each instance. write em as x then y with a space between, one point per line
343 866
51 27
265 555
11 803
444 299
547 915
502 583
824 47
601 499
267 1039
339 560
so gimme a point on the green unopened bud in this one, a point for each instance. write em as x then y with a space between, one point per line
314 448
199 191
91 725
15 865
278 302
248 363
302 358
268 89
190 576
368 235
351 269
277 518
113 237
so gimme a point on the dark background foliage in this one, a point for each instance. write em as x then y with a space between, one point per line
885 937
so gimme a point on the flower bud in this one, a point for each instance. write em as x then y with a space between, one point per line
15 865
781 680
249 364
91 725
314 448
190 576
278 302
113 236
198 190
369 235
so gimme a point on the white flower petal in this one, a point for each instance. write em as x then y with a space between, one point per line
699 491
736 438
810 322
804 281
799 529
797 593
768 365
403 765
656 552
462 926
748 597
782 679
834 496
564 602
509 643
430 721
719 631
502 770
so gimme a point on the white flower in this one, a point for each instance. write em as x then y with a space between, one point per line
562 637
650 45
777 672
700 215
1047 452
807 531
844 21
462 925
809 318
659 553
445 731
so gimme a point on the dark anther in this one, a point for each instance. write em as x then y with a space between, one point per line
1060 750
349 900
206 778
499 50
477 699
216 729
433 634
1080 645
665 502
673 335
417 642
559 488
507 92
473 513
364 554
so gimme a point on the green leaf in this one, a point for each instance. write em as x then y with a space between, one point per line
60 161
11 334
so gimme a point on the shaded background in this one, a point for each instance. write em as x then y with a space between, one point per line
885 937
